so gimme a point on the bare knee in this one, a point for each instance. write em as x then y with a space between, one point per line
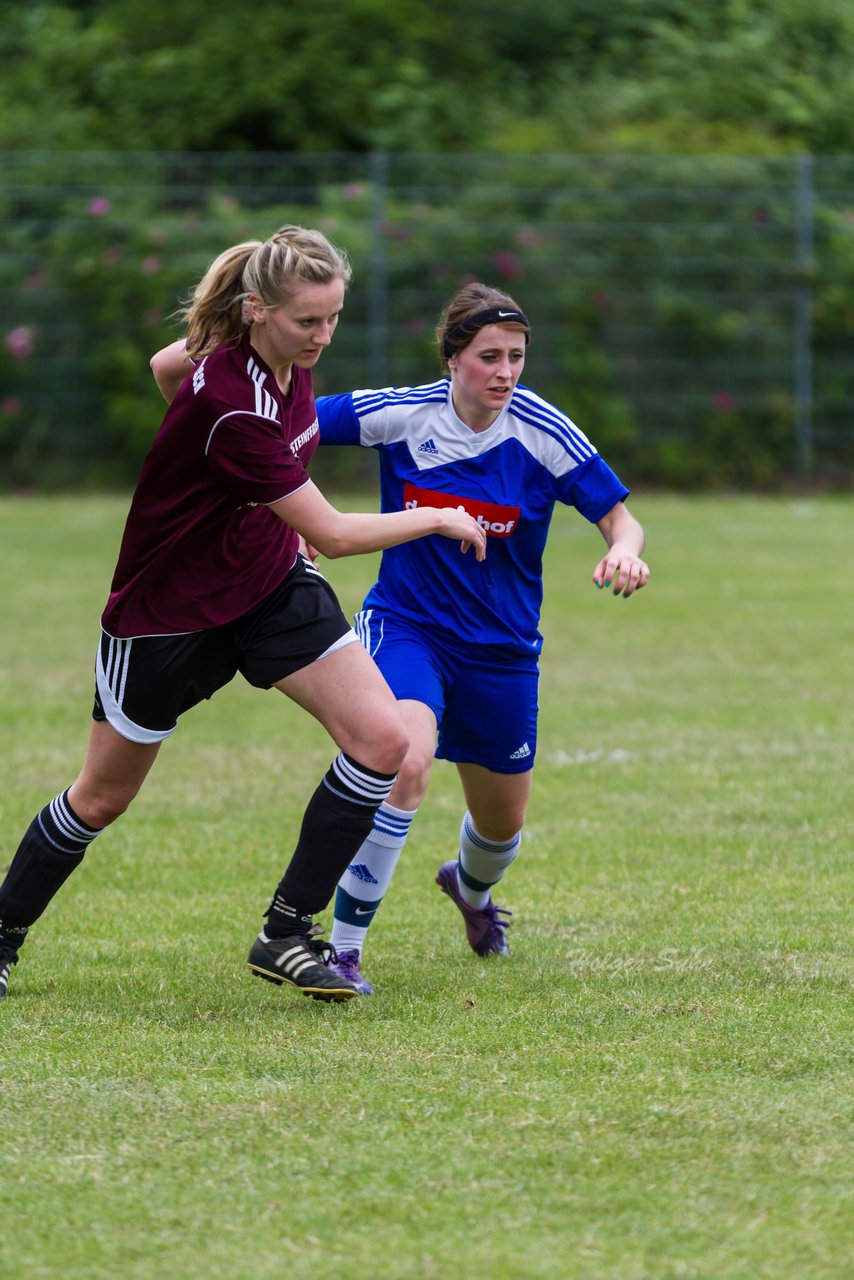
413 777
101 806
384 749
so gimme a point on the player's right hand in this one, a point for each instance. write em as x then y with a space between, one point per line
457 523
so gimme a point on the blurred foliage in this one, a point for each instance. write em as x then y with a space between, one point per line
664 296
436 143
656 76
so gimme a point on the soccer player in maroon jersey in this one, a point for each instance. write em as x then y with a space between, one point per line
210 581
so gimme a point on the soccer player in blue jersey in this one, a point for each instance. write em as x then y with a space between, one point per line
211 580
459 641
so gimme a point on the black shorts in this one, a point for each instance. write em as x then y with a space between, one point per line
143 685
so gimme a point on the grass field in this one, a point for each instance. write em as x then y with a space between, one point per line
658 1082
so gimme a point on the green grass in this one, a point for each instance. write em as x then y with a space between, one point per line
657 1083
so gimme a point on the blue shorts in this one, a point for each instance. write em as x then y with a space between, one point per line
485 705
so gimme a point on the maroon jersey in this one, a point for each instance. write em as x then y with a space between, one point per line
199 547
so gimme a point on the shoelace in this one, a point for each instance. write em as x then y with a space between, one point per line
321 947
347 968
493 913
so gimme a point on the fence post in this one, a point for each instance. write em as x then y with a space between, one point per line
377 326
803 372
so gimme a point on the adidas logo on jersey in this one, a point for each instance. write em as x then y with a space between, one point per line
523 752
429 446
361 872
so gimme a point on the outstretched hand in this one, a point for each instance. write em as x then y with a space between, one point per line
621 570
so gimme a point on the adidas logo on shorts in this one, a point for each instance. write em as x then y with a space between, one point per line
522 753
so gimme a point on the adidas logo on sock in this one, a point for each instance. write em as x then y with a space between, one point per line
361 872
428 446
523 752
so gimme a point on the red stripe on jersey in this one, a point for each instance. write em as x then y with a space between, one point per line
498 521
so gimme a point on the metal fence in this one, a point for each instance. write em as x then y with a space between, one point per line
694 315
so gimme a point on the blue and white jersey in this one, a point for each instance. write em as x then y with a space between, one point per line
508 477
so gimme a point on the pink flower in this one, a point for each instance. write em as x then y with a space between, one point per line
158 235
114 254
507 264
20 342
526 236
99 205
354 191
723 402
11 406
149 266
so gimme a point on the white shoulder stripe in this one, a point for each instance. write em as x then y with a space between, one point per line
265 404
370 401
535 412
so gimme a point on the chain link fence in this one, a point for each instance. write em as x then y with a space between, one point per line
693 316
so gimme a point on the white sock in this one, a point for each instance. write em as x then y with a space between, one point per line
482 862
365 883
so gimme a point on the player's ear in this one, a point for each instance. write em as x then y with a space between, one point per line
255 308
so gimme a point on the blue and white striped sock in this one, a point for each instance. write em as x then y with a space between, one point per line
482 862
365 883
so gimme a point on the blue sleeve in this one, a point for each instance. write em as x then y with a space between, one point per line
337 420
593 489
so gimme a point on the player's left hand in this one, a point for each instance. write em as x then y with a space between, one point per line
306 549
622 571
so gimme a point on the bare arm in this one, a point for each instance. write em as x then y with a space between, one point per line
339 533
322 528
170 367
622 568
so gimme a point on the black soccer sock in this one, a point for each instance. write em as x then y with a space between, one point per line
52 847
337 819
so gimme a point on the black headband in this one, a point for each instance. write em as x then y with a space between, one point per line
492 315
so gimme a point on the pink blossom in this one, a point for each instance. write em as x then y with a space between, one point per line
20 342
526 236
11 406
99 205
149 266
354 191
723 401
158 235
114 254
507 264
